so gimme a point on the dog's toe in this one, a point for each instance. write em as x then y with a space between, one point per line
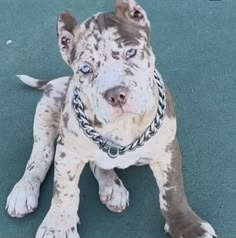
23 198
105 193
58 225
114 195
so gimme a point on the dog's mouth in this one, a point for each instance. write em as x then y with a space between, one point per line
123 112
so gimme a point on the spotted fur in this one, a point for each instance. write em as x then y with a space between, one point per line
115 49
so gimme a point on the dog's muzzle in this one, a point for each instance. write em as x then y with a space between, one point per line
111 148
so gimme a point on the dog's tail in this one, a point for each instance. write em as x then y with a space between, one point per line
32 82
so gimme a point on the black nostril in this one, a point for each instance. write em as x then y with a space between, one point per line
116 96
122 96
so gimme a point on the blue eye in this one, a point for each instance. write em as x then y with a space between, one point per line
131 53
86 69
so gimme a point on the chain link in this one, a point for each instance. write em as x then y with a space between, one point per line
108 146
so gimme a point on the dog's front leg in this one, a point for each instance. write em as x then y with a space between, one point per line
61 219
181 221
112 191
23 198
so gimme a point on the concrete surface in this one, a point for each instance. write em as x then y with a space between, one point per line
195 44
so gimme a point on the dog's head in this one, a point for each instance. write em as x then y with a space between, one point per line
112 60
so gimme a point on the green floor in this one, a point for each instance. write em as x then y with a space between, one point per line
195 44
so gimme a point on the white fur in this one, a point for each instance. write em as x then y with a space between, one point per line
62 216
24 196
32 82
167 228
210 232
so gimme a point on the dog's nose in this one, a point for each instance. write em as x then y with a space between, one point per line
116 96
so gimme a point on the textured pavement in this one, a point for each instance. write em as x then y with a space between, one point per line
195 44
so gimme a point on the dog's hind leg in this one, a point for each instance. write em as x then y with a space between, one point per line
23 199
181 220
112 191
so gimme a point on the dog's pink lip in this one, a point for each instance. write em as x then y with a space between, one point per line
124 113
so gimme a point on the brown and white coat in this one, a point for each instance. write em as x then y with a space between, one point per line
113 64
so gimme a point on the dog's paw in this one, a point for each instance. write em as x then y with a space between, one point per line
209 231
47 232
58 224
114 194
23 198
191 229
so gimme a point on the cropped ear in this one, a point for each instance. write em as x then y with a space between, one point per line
67 28
131 11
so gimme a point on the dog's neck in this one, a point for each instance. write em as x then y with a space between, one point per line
124 130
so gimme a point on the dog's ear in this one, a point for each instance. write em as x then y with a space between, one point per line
67 30
131 11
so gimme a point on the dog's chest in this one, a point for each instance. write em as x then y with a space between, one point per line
87 150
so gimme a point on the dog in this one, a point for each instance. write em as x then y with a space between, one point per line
114 112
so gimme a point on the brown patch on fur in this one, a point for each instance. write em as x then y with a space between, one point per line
147 50
48 89
89 21
66 88
117 181
115 55
128 32
129 72
67 83
142 55
74 133
85 107
65 119
71 178
60 98
69 21
56 189
144 120
95 47
30 166
170 108
97 123
63 155
41 83
100 23
73 54
179 216
117 138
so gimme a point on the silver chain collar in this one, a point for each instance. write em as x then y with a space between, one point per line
111 148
